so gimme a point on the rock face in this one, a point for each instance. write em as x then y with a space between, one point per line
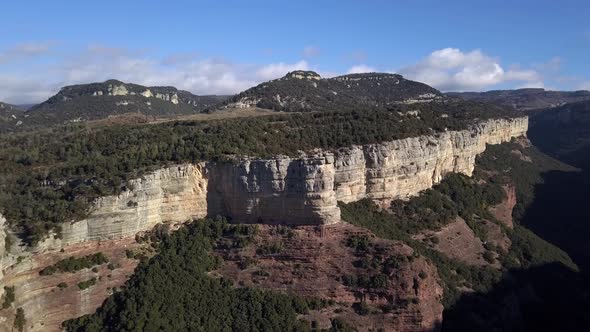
296 191
312 263
279 190
172 194
405 167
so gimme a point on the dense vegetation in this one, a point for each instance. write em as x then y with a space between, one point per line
55 174
10 115
8 297
73 264
172 292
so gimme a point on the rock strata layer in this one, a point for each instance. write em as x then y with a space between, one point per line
171 194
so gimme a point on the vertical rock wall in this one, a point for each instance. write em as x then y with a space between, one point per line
403 168
278 190
171 194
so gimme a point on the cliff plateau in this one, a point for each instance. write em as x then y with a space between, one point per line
288 190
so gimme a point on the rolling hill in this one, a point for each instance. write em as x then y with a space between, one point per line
525 99
95 101
307 91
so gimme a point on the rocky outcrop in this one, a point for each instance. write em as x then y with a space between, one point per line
304 75
171 194
403 168
286 190
503 211
279 190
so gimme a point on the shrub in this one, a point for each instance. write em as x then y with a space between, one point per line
73 264
20 320
361 308
9 296
270 249
488 256
359 242
87 283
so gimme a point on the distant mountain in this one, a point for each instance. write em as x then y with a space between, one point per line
564 132
307 91
525 99
95 101
11 117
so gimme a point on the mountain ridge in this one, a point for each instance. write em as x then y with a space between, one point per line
100 100
308 91
525 99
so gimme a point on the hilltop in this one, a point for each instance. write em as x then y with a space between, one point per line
94 101
525 99
307 91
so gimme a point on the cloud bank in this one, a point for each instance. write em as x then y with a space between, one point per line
32 72
362 68
451 69
99 63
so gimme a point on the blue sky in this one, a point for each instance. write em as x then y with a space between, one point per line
226 46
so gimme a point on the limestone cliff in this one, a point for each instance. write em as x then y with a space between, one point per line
301 191
171 194
405 167
278 190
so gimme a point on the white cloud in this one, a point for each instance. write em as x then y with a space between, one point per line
451 69
99 63
18 90
362 68
25 50
584 86
310 51
276 70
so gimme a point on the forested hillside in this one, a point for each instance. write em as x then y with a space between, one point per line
307 91
10 116
95 101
